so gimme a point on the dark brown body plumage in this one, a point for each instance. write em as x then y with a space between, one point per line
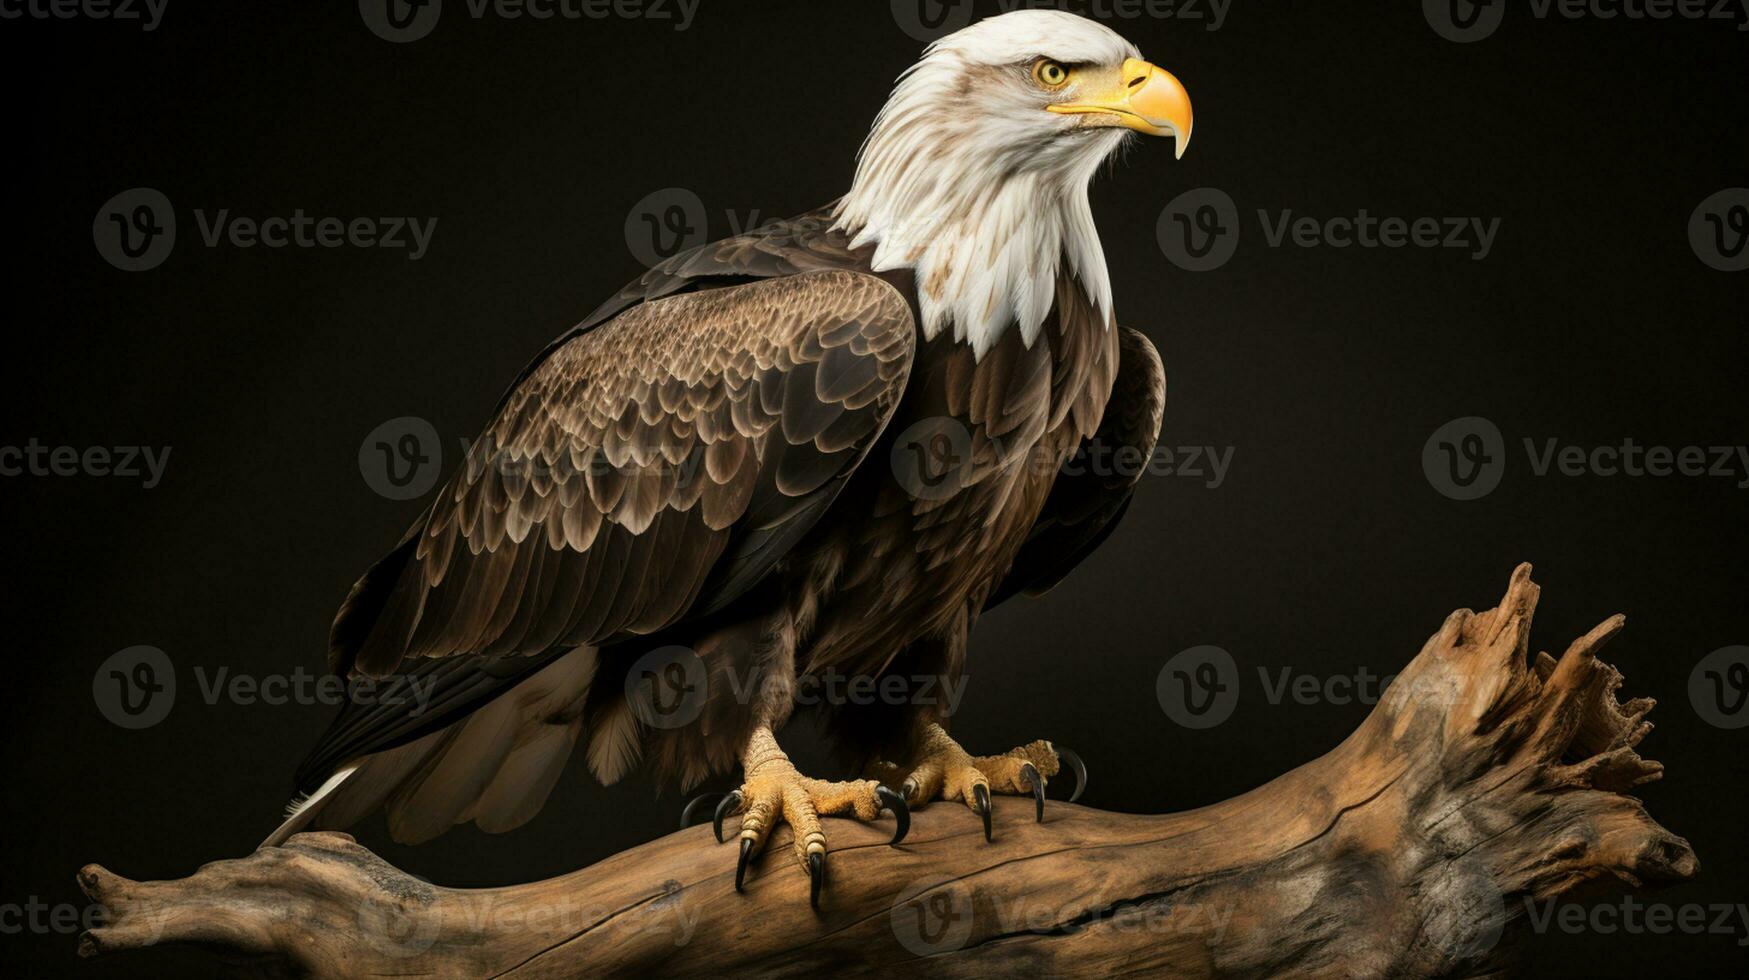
717 458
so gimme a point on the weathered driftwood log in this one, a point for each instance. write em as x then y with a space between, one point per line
1483 780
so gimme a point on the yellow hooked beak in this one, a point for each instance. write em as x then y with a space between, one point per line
1147 99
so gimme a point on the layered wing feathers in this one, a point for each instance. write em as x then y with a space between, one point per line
630 476
1083 509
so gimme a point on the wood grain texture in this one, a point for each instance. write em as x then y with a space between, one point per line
1483 779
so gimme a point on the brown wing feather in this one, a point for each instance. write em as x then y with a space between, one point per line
1083 508
610 491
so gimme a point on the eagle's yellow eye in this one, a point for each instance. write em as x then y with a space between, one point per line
1050 74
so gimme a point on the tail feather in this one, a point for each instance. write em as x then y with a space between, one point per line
495 767
376 777
301 810
446 786
615 742
526 779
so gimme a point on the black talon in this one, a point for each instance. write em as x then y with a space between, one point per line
891 800
816 874
730 803
1076 766
981 793
741 865
1030 774
687 814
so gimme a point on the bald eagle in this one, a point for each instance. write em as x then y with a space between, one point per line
723 483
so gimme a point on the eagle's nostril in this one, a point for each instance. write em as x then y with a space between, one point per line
1138 81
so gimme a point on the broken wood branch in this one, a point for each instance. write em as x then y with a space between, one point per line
1482 781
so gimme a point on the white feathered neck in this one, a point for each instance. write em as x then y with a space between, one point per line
966 181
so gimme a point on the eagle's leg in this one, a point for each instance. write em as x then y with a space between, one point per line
774 791
946 771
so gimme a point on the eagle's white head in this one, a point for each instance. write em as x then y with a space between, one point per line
975 174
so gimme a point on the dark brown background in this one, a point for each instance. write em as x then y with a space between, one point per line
1327 371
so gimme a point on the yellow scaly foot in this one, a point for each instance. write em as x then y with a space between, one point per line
774 792
944 770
